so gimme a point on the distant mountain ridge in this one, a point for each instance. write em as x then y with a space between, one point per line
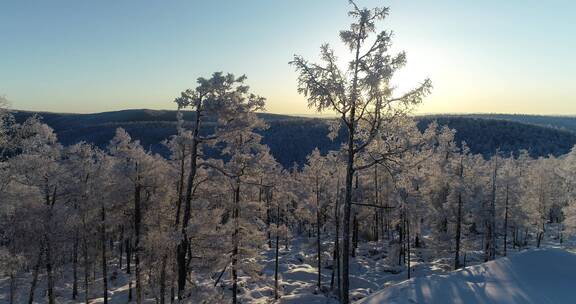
292 138
567 122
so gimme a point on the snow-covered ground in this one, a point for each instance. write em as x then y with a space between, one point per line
370 271
530 276
525 276
536 276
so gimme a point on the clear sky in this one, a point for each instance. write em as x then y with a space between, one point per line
512 56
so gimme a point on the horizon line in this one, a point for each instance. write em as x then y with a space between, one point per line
313 115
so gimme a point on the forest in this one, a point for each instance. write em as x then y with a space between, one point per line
292 138
216 218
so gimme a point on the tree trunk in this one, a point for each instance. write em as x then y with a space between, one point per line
128 266
268 217
137 249
539 239
506 222
491 223
172 289
487 246
104 262
183 246
336 256
163 279
178 262
150 285
347 211
276 294
286 241
75 266
86 267
138 277
458 232
121 247
48 245
35 276
560 232
13 273
180 188
49 272
400 227
387 220
236 241
318 236
12 287
457 264
376 203
408 244
354 235
189 260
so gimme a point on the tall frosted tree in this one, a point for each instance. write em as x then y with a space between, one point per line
137 170
221 105
80 167
38 167
316 176
360 94
540 194
241 170
509 196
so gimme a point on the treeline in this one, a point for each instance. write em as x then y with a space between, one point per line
561 122
291 139
485 136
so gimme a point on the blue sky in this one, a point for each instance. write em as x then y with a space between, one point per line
90 56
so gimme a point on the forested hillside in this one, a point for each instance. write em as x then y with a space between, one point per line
291 138
485 135
567 123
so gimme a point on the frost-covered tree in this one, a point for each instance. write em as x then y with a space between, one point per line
490 221
36 168
87 171
138 171
316 177
241 171
361 95
567 170
509 197
224 101
539 194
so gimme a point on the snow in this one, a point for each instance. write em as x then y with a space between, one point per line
370 271
530 276
533 276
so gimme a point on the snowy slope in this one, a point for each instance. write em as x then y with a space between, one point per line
535 276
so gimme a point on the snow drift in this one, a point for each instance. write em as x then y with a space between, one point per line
535 276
